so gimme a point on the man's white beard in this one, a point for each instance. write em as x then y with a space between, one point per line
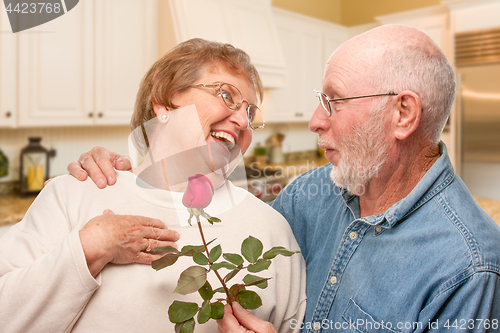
362 154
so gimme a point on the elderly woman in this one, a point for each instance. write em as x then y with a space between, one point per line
69 267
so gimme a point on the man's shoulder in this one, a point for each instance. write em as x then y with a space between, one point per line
476 229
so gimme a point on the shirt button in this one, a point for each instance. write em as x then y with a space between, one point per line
353 235
316 326
333 279
378 229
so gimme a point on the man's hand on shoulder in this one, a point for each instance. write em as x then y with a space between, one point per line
99 165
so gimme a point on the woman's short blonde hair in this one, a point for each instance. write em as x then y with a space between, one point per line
179 69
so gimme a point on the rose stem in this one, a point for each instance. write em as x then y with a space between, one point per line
209 263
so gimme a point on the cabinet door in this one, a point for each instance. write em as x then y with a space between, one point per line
254 30
205 19
248 25
125 49
8 78
311 69
302 44
56 70
283 104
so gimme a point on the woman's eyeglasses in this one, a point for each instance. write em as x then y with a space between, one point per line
233 99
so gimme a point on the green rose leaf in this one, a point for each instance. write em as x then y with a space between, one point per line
215 253
219 290
253 280
233 258
217 310
179 312
224 264
276 251
260 265
185 327
251 249
165 261
200 258
249 299
233 273
189 250
192 279
205 312
167 249
236 288
206 291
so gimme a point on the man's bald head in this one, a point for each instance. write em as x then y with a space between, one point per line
393 58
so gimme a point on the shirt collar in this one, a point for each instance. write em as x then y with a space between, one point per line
438 177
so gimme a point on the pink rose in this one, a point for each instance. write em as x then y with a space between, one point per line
199 192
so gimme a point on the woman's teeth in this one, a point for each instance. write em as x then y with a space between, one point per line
226 138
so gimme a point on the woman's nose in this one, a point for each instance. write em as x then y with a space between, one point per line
240 117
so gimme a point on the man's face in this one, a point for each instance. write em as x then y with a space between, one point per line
354 136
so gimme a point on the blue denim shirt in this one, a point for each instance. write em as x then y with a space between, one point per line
430 262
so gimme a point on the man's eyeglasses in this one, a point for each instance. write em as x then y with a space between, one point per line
233 99
326 101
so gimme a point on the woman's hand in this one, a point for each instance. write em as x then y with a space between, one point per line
99 164
123 239
239 320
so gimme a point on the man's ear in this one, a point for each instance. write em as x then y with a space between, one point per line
159 109
407 114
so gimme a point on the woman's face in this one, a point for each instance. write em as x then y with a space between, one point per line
220 124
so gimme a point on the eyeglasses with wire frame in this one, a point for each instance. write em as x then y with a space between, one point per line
232 97
326 101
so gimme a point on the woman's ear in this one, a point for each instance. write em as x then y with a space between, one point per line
159 109
407 114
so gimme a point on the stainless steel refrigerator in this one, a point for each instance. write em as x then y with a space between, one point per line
477 60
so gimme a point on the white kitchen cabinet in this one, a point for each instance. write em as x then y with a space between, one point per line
85 67
8 79
306 44
248 25
126 47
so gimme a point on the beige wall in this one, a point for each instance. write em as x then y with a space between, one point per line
351 12
356 12
328 10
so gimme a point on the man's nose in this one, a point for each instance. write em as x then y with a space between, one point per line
319 120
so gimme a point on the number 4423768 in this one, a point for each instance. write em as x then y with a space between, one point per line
462 324
32 8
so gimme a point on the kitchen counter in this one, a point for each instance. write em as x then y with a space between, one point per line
492 207
13 207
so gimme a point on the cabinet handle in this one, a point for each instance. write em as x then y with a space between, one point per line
100 114
90 114
298 114
8 114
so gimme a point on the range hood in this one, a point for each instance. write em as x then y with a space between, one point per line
248 25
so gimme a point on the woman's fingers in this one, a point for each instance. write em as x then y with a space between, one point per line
154 244
123 239
161 234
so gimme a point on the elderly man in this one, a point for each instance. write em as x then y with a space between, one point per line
392 238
